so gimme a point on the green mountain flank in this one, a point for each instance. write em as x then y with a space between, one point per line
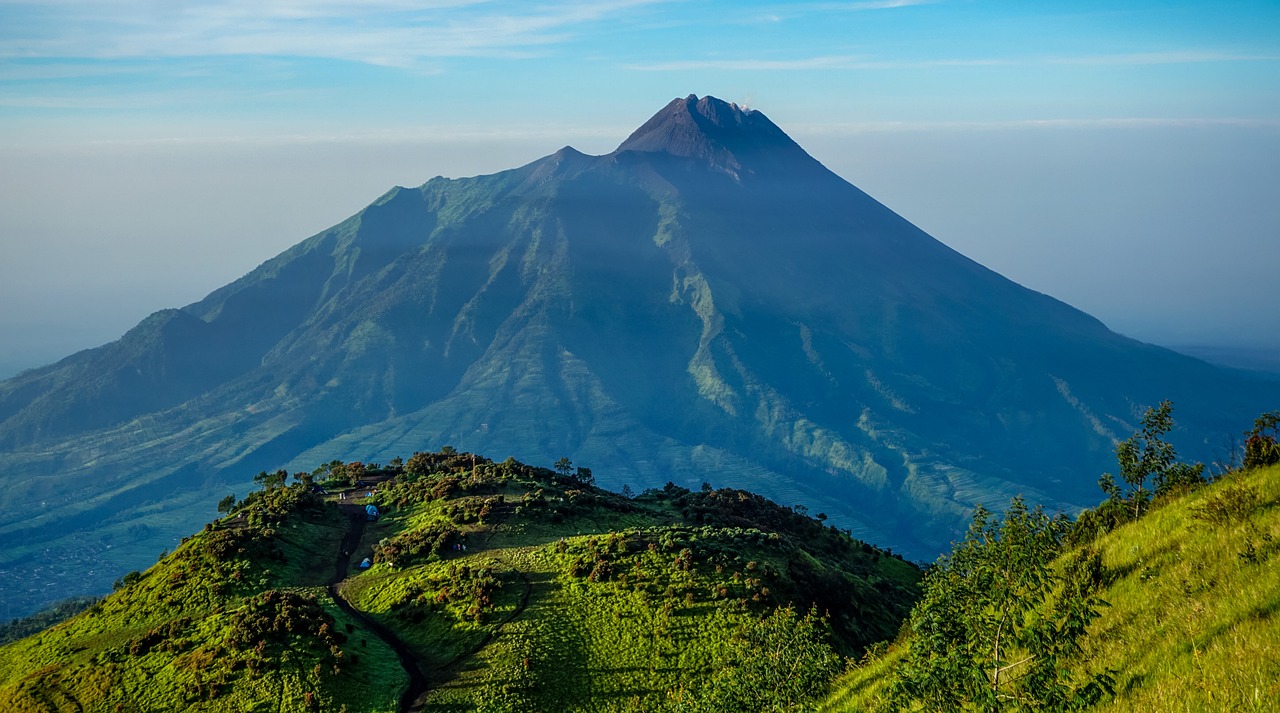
1178 610
476 586
706 302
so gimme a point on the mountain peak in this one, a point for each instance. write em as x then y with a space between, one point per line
726 134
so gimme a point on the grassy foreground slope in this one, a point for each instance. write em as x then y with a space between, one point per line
507 587
1193 622
237 618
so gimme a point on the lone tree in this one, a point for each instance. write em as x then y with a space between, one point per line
1146 455
585 477
226 504
564 466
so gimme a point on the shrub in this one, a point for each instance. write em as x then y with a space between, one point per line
1261 448
1234 503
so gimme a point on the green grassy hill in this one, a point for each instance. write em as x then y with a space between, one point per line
235 619
492 587
1191 620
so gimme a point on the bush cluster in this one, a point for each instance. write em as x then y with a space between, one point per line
467 593
417 545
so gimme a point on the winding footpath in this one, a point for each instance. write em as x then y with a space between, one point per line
414 696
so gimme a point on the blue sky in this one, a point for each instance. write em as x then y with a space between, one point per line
1124 157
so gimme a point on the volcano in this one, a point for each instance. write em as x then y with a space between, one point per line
707 303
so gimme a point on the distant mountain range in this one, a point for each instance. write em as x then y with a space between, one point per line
1253 358
706 303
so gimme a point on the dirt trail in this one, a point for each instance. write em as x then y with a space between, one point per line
414 696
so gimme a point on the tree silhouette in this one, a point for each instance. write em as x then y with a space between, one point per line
225 504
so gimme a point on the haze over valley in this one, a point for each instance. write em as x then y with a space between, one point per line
639 355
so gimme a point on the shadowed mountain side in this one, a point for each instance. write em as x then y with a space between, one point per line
707 303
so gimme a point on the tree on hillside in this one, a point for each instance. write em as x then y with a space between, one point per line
226 504
1261 447
419 465
563 466
271 480
781 662
1146 455
999 619
356 471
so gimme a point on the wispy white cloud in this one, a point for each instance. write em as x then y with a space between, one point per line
750 65
780 13
871 5
24 72
1169 57
808 63
854 62
214 138
381 32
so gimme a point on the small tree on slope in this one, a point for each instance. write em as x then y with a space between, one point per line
1146 455
998 621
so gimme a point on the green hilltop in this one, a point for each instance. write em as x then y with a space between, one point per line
490 586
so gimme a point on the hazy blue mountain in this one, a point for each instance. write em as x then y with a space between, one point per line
707 302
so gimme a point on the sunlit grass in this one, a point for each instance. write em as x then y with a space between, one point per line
566 598
1193 622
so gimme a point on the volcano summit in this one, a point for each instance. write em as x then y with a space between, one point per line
706 303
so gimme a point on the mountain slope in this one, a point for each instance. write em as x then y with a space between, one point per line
235 619
708 302
1192 614
502 586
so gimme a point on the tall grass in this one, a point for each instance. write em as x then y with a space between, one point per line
1193 622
